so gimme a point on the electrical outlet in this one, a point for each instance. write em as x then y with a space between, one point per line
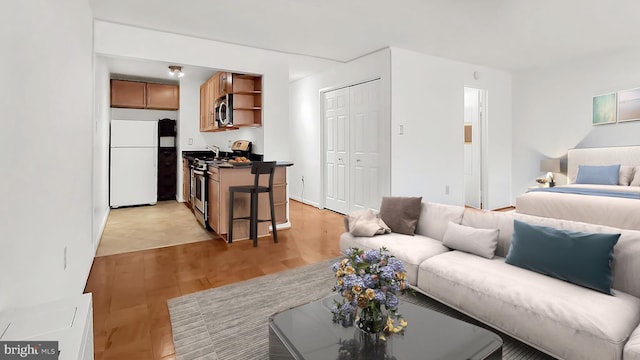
229 144
65 259
401 130
190 141
446 190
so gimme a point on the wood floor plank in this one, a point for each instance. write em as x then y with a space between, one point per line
130 290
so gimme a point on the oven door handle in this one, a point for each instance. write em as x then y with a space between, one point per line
198 172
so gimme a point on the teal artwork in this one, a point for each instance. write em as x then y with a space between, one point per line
604 109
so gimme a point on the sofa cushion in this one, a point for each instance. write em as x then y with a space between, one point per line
481 242
626 253
411 250
563 319
632 347
435 217
400 213
578 257
485 219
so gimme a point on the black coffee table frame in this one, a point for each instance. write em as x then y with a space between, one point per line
307 332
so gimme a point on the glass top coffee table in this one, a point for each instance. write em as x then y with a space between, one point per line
308 332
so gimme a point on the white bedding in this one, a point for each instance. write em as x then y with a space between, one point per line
610 211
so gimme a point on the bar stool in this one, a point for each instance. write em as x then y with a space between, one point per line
257 168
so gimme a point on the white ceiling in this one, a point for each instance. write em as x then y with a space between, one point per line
507 34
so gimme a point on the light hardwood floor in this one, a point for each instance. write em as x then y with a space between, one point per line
131 320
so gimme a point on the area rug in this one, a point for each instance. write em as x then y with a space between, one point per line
231 322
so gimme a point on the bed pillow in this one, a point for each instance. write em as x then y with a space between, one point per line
401 213
577 257
636 177
599 175
626 175
481 242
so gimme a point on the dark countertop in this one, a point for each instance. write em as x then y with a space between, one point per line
224 165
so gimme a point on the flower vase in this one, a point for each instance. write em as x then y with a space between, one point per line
371 320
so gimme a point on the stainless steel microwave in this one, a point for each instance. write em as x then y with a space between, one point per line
223 110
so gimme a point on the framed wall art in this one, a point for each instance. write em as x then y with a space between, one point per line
629 105
604 109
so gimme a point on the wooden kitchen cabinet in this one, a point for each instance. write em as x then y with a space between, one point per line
220 179
163 96
128 94
186 181
225 84
213 202
247 100
142 95
207 118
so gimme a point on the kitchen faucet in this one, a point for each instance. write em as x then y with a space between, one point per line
215 149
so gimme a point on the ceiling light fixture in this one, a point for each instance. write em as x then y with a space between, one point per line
175 70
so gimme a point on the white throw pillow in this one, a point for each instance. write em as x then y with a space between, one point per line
481 242
626 175
434 218
636 177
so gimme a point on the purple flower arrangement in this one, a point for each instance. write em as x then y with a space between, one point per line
370 282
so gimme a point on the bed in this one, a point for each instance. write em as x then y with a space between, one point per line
610 205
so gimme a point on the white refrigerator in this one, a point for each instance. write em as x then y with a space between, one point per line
134 167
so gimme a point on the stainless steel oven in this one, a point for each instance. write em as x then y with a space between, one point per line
199 194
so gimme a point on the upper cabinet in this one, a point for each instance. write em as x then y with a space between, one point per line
247 100
163 96
142 95
128 94
244 94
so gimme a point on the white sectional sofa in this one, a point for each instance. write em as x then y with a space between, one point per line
560 318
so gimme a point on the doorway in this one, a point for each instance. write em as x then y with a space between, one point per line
352 160
475 120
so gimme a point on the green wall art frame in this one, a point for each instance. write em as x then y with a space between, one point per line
604 109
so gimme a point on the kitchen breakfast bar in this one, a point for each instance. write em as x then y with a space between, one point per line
222 176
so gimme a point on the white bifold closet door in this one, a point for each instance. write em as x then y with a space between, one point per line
352 144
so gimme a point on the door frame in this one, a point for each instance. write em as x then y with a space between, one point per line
483 110
323 135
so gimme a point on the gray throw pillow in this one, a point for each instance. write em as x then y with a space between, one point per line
401 213
481 242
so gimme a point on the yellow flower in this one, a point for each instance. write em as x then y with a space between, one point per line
389 325
370 294
403 322
349 270
339 273
362 302
356 289
396 330
400 275
340 282
344 262
348 295
383 338
403 285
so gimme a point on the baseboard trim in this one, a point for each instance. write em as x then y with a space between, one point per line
308 202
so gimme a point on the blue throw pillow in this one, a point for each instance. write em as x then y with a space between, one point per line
599 175
580 258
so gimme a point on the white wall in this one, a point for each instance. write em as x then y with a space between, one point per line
100 149
306 123
120 40
553 111
46 150
427 98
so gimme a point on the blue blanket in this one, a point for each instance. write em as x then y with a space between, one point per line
595 192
